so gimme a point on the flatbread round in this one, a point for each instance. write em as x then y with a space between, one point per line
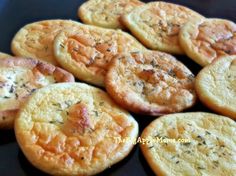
204 40
4 55
72 128
150 82
19 77
35 40
190 144
87 52
216 86
157 25
106 13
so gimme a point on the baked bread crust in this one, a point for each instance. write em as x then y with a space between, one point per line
150 82
35 40
71 129
157 25
4 55
19 78
87 52
190 144
204 40
215 86
106 13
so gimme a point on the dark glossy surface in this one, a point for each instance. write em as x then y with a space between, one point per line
16 13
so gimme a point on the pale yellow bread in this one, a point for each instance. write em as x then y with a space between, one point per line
150 82
71 129
157 25
188 144
19 77
35 40
87 52
216 86
106 13
204 40
4 55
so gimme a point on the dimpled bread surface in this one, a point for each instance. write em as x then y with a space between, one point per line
157 25
106 13
150 82
88 52
216 86
19 78
35 40
71 129
190 144
208 39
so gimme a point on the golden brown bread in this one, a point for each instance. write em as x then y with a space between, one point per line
35 40
150 82
196 144
204 40
157 24
71 129
216 86
87 52
19 77
106 13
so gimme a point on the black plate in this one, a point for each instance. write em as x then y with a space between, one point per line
16 13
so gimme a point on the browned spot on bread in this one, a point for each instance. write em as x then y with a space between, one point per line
79 117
